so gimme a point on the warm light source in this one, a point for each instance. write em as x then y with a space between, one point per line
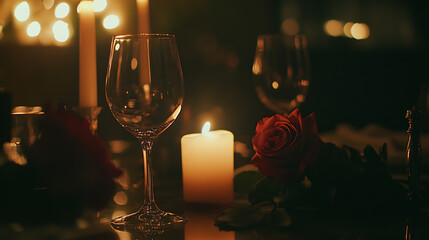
290 26
22 11
206 129
111 22
99 5
33 29
334 28
62 10
360 31
348 29
61 31
134 63
48 4
256 69
275 85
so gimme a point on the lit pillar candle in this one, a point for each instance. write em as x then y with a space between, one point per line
87 56
143 16
208 166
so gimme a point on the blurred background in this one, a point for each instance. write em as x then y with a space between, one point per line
368 58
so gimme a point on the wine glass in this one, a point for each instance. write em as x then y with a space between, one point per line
144 91
281 71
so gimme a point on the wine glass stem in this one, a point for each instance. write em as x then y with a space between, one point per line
148 197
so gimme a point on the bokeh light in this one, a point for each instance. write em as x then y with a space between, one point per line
33 29
111 21
61 31
348 29
290 26
22 11
334 28
62 10
275 85
48 4
360 31
99 5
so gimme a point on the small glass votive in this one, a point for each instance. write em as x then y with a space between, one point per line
25 131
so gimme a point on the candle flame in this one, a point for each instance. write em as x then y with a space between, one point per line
206 129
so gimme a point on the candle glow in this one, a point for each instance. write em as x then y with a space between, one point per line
87 55
208 166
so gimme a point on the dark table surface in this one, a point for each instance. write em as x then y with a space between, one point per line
168 194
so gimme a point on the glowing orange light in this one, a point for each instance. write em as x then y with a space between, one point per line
275 85
347 29
290 26
120 198
305 83
134 63
334 28
360 31
300 98
256 69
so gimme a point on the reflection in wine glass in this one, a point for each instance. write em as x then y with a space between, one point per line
144 91
281 71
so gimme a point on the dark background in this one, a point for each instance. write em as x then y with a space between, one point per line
353 81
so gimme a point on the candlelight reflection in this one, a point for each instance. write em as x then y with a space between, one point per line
121 198
134 63
200 226
275 85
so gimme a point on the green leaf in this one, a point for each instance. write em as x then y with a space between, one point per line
239 216
244 181
264 190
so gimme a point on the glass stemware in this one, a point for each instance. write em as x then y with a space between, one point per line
281 71
144 91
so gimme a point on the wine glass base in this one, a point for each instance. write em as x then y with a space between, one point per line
149 220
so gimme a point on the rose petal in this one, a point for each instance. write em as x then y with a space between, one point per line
310 124
281 175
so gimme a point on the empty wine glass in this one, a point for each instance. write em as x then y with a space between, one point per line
281 71
144 91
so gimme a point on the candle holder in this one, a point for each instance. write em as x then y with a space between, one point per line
90 114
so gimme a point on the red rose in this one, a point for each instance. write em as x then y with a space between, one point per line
73 163
286 146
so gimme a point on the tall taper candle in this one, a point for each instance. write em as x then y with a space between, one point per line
143 16
87 56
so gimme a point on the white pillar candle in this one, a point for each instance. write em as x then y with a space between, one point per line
87 56
208 167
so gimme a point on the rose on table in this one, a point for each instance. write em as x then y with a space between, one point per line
297 170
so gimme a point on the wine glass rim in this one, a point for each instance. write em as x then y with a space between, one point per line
144 35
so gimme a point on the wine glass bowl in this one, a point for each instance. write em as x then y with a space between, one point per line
144 91
281 71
